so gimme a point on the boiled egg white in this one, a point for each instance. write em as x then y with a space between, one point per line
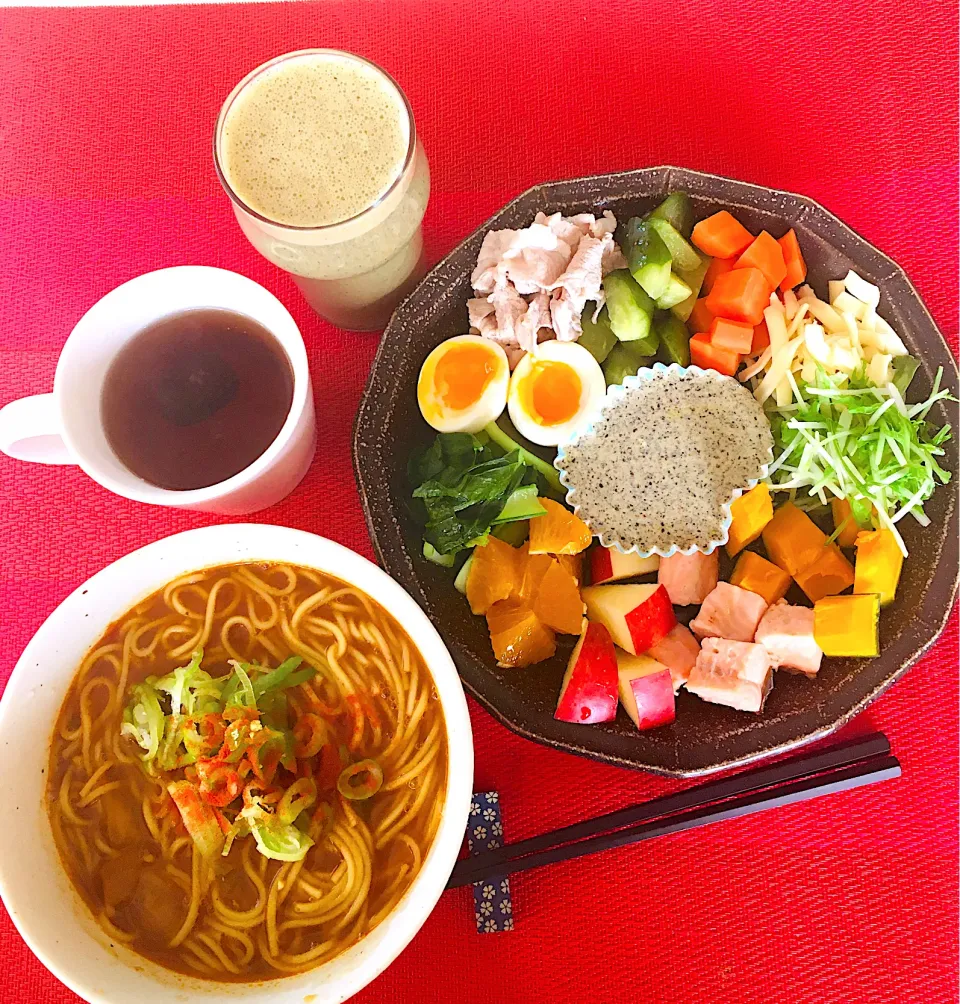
553 391
463 384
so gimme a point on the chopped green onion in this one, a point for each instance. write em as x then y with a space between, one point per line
281 841
360 780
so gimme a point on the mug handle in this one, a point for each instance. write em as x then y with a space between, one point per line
30 430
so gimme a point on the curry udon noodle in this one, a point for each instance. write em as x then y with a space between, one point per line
247 772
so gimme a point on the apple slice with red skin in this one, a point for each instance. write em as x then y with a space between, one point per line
637 617
646 690
589 691
607 564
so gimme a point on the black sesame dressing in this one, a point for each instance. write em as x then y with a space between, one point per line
665 457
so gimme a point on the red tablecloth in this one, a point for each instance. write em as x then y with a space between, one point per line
106 118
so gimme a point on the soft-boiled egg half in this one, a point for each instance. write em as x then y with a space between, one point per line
463 384
553 391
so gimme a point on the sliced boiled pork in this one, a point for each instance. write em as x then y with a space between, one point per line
534 283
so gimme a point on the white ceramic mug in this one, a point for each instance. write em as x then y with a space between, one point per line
65 427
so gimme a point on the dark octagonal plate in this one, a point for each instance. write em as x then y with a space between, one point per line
704 737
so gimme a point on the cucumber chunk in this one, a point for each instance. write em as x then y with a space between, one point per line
677 210
597 336
624 360
694 279
674 339
681 251
648 257
630 310
676 292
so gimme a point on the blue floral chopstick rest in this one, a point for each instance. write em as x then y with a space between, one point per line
491 900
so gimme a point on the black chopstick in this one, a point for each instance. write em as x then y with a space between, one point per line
846 765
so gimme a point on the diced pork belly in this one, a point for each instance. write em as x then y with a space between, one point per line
734 673
786 632
729 612
689 578
677 651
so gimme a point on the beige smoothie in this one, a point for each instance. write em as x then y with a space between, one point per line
318 151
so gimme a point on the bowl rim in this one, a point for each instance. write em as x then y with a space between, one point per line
157 563
388 541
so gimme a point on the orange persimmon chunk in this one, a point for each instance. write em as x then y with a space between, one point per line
558 532
573 563
518 636
767 255
495 574
533 567
721 235
557 602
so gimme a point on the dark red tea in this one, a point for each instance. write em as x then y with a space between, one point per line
195 398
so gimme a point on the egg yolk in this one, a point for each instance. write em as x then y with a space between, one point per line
462 375
552 392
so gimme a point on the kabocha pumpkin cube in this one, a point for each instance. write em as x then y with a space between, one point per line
495 574
848 625
751 513
760 576
792 539
518 636
878 565
830 574
843 516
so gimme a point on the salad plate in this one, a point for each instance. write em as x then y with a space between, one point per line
704 737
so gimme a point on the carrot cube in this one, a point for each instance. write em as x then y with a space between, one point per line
700 317
767 255
733 335
740 295
716 268
761 339
793 259
710 357
721 235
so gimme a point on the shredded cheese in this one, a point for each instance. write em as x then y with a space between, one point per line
807 334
